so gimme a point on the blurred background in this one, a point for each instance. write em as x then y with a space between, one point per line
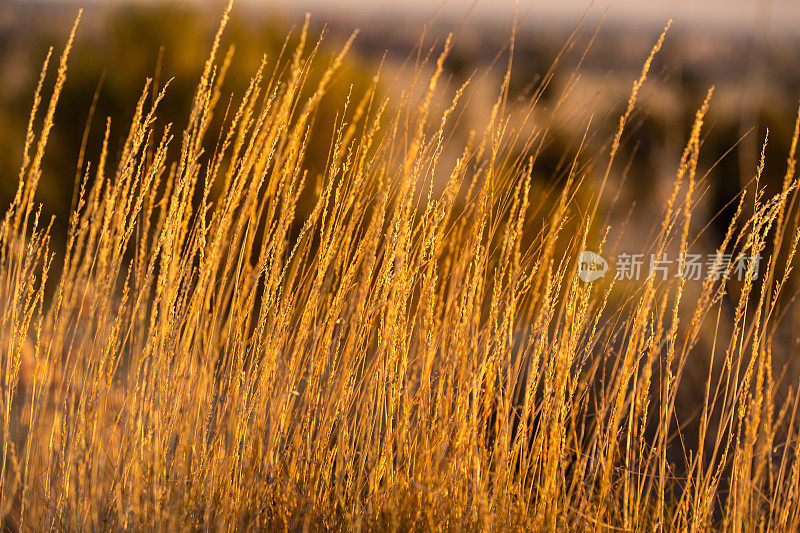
748 49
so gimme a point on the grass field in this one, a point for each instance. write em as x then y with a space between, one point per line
233 340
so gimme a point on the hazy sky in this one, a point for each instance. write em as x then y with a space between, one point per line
781 16
765 17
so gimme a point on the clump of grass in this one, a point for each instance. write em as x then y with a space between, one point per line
402 354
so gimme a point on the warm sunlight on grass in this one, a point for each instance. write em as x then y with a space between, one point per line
411 348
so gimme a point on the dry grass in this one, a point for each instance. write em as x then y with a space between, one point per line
210 355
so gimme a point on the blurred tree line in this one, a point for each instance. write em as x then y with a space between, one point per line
117 48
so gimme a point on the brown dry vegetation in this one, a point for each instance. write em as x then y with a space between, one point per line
404 354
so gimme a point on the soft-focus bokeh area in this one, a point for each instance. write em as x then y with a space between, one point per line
747 49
